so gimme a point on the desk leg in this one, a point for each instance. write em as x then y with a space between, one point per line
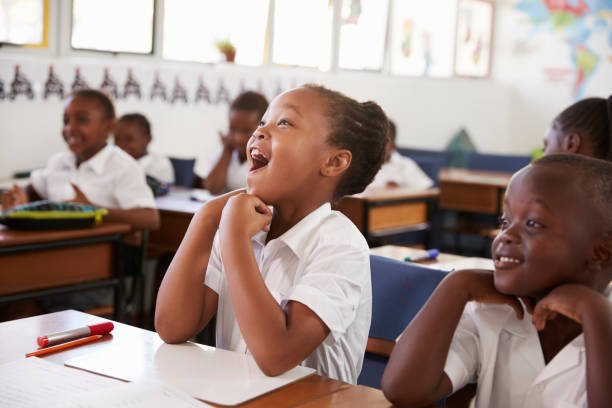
118 265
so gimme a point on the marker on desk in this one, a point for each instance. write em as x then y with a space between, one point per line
427 254
91 330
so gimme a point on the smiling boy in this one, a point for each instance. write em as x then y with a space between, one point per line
554 253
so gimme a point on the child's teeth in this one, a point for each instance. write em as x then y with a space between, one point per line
506 259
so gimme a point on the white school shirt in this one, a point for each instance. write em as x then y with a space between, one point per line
157 166
111 178
236 172
402 170
503 355
322 262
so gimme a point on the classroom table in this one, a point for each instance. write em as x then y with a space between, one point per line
472 190
35 264
381 212
19 337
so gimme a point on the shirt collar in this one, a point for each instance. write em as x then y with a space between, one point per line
98 162
298 237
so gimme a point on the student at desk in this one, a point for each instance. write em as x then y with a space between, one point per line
229 170
399 170
93 172
133 135
292 284
537 331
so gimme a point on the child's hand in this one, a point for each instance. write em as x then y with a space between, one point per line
570 300
79 196
13 197
480 287
243 216
227 141
214 207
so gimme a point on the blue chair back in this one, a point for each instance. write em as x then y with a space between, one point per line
430 161
183 171
399 290
497 162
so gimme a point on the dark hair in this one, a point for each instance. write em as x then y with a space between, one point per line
360 128
140 120
102 98
595 176
392 130
250 101
590 118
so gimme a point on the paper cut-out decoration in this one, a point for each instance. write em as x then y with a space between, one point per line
132 86
53 85
109 85
158 90
222 94
202 93
79 82
178 92
2 94
20 86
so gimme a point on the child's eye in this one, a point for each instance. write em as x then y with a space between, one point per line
261 123
533 224
503 222
284 122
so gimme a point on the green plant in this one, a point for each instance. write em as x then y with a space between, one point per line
225 46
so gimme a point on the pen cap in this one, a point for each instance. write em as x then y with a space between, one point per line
101 328
433 253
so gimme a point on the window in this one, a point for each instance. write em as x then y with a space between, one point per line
22 22
422 37
192 27
362 34
302 33
113 25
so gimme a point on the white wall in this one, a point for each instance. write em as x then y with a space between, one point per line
506 113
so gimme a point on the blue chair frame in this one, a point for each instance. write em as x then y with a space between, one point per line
184 174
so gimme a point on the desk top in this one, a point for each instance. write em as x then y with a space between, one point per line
10 237
178 200
479 177
395 193
19 338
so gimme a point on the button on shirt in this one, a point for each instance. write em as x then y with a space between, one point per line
322 262
503 355
111 179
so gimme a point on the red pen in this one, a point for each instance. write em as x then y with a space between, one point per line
90 330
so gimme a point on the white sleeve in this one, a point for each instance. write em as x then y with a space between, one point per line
214 270
161 168
38 179
413 176
462 361
332 285
131 189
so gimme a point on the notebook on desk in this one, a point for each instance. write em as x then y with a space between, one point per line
207 373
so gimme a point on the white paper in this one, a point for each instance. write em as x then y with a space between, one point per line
131 395
32 382
467 263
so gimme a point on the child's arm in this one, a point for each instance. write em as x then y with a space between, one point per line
139 218
216 179
184 304
18 196
278 341
594 312
415 373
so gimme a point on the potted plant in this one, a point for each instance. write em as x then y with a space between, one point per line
227 49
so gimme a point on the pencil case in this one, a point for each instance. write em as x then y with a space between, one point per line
42 215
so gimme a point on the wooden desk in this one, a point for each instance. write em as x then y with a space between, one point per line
443 261
34 264
176 211
389 211
19 338
472 190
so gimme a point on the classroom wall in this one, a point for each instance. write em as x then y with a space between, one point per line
508 112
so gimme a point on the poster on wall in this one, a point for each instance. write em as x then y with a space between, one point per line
473 41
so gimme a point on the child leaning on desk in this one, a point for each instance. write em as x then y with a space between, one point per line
554 253
289 285
93 172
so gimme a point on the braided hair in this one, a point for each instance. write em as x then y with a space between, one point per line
361 128
590 118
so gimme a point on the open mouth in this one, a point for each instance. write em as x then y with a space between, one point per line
259 160
506 261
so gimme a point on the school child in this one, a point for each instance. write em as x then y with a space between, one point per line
93 172
229 169
289 285
399 170
133 135
551 348
584 128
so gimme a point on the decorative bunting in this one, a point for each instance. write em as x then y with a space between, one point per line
179 92
109 85
2 95
222 94
79 82
20 86
53 85
132 86
202 93
158 90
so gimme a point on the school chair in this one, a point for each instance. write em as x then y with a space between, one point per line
497 162
399 290
184 174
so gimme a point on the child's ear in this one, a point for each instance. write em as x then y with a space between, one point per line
337 163
601 258
571 143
